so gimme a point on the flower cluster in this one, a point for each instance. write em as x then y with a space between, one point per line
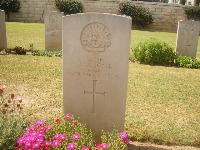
124 137
65 133
35 138
102 146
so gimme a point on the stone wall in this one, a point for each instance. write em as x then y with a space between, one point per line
33 10
166 16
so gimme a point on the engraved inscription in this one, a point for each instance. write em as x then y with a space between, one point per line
54 24
95 37
94 67
94 93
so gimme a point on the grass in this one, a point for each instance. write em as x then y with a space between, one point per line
162 104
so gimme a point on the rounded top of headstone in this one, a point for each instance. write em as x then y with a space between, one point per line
96 13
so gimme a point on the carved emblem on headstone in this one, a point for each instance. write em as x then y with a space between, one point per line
95 37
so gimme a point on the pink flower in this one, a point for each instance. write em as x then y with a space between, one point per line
104 145
56 136
75 123
49 128
36 145
46 144
20 141
58 120
68 116
32 128
56 143
62 137
76 136
85 148
123 135
41 129
98 146
28 145
47 148
126 141
40 122
71 146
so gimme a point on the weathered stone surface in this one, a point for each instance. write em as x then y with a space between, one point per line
187 37
95 69
53 30
3 41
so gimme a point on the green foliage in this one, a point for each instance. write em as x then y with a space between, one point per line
193 12
70 126
140 15
19 50
187 62
47 53
10 6
11 123
69 6
10 130
68 131
182 2
154 52
114 140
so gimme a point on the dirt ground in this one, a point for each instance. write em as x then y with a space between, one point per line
149 146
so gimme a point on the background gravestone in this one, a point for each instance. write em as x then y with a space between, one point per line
53 30
3 41
187 37
95 69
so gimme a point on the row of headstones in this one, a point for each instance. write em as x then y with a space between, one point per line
94 80
186 45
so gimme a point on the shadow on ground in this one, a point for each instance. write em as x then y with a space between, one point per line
144 147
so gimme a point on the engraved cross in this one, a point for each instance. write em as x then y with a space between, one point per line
94 93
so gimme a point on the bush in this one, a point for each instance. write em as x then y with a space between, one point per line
154 52
140 15
10 130
10 6
187 62
11 124
193 12
19 50
69 6
47 53
67 133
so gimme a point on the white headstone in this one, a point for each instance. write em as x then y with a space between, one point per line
53 30
3 41
187 37
95 69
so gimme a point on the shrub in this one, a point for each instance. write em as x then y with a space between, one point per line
19 50
193 12
10 6
11 124
47 53
182 2
69 6
154 52
65 133
187 62
140 15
